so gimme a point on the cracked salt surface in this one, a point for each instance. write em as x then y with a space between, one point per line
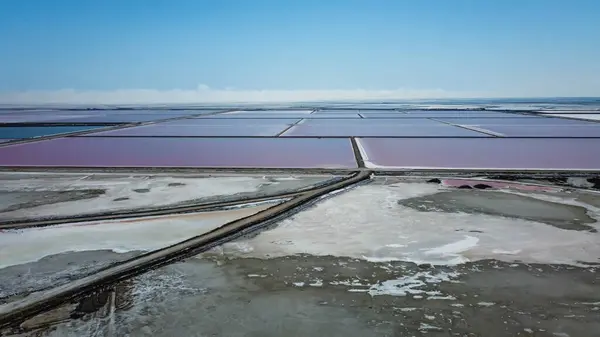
368 223
144 234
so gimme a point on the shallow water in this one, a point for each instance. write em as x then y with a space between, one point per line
314 296
504 204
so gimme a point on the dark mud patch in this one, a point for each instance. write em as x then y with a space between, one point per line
101 305
117 297
505 204
141 190
91 304
434 181
121 199
596 182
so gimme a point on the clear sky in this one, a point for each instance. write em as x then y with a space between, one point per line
456 47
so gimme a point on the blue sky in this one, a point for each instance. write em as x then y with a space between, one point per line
494 47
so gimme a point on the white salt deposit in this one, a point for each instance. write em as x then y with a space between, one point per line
367 223
428 327
412 284
593 115
448 298
156 192
29 245
453 250
316 283
486 304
